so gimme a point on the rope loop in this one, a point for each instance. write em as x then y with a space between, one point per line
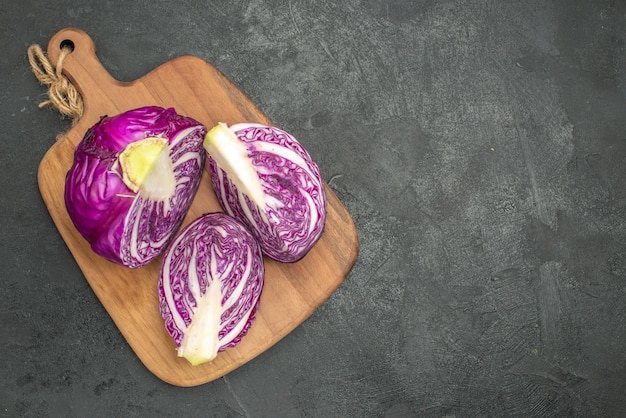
62 94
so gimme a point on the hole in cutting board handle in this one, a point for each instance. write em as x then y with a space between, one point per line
67 43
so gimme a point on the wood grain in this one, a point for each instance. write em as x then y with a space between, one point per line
197 89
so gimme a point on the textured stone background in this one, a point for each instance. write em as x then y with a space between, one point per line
480 147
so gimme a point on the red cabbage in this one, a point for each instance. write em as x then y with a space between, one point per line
265 178
132 182
209 287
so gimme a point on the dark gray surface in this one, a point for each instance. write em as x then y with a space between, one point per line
481 150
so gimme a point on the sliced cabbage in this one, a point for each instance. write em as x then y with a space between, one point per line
209 287
266 179
132 182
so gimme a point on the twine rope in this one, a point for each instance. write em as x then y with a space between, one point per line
62 94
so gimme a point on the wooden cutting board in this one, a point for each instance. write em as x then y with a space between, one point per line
194 88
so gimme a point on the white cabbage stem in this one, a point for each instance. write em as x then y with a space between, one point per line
231 155
147 168
201 341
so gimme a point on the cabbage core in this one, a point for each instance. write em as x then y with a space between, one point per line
232 156
201 341
147 168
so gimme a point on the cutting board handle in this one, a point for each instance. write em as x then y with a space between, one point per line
94 78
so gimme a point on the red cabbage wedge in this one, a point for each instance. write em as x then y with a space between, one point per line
132 182
209 287
265 178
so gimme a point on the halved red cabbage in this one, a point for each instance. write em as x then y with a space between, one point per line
209 287
133 179
265 178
